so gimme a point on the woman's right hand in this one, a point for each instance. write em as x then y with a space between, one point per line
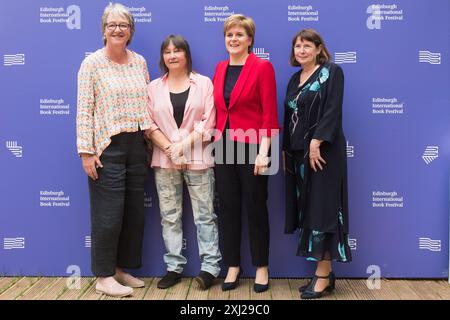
90 164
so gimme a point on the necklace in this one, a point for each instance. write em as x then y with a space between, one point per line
306 75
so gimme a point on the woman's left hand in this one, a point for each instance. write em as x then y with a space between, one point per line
261 164
315 159
176 153
176 150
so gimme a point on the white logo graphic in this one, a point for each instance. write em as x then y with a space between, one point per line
430 154
14 59
350 151
70 17
140 14
14 243
259 52
87 241
429 244
74 281
87 54
374 20
74 19
15 149
345 57
374 280
430 57
352 244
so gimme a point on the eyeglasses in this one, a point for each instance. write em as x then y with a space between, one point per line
113 26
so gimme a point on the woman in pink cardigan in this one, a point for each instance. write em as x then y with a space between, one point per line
182 117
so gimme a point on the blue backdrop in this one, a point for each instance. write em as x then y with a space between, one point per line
395 56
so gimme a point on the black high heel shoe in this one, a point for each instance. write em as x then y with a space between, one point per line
226 286
258 288
309 292
332 282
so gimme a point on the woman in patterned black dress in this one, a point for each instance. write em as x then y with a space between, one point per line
314 150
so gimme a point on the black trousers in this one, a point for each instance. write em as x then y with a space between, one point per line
236 184
117 205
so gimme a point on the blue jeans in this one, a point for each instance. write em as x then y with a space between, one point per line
200 183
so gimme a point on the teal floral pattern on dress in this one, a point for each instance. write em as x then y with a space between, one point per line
324 75
315 86
316 241
342 252
292 104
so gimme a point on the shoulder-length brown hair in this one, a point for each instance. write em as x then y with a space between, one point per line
313 36
181 44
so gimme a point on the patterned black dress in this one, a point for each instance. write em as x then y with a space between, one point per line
316 202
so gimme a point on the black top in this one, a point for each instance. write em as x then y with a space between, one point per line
298 99
231 77
179 103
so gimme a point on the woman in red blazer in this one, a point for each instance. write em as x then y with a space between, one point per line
246 103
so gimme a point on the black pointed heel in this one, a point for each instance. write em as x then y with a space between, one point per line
226 286
258 287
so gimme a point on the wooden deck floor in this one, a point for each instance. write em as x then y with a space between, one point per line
47 288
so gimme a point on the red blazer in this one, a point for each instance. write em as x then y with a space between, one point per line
253 101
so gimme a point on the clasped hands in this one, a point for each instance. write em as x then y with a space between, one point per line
175 152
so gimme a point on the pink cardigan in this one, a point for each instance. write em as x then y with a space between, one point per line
199 115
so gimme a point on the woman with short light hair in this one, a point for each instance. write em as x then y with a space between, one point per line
111 117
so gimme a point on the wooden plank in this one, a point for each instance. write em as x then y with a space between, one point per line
180 290
424 290
75 293
139 293
344 290
50 288
294 284
216 293
385 291
18 288
361 290
154 293
280 289
90 293
54 290
6 282
403 290
443 289
37 289
242 291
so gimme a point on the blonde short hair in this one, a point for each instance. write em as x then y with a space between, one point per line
241 21
121 10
